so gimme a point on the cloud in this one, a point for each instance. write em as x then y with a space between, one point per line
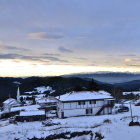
81 58
51 54
128 60
20 57
31 58
128 55
131 59
54 59
65 50
134 65
9 56
45 36
7 47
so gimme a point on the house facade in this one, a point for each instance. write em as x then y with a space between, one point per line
85 103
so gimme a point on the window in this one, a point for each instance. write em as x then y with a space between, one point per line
92 102
81 103
89 111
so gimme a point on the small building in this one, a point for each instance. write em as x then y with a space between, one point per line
7 104
84 103
48 103
36 115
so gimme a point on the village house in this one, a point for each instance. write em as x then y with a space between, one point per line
7 104
35 115
49 103
84 103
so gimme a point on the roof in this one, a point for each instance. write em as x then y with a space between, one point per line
133 92
47 100
10 101
27 108
32 113
84 95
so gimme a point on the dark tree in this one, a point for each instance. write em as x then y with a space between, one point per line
93 86
78 88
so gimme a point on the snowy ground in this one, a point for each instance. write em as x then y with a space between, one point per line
41 90
118 129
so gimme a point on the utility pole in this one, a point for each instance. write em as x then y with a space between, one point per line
131 112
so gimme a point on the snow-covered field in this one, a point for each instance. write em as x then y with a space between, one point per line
118 129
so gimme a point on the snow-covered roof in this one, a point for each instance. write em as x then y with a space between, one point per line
36 96
27 108
32 113
85 95
10 101
42 89
25 96
46 100
132 92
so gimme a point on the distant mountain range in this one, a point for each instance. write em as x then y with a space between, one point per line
61 85
108 77
129 86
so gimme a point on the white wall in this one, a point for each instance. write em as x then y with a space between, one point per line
74 105
78 112
74 109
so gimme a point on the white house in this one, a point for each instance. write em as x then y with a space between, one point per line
7 104
84 103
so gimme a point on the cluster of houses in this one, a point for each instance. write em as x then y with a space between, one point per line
68 105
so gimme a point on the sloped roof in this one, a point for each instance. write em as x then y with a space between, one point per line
32 113
10 101
85 95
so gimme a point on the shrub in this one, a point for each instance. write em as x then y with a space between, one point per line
107 121
99 136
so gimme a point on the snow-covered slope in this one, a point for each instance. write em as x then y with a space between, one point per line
116 129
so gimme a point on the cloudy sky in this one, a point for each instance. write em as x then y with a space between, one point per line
54 37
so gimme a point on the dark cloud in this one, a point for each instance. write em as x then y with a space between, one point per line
14 48
10 56
45 35
51 54
65 50
53 59
122 55
31 58
81 58
128 55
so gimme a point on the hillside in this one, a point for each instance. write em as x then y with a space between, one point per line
61 85
129 86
